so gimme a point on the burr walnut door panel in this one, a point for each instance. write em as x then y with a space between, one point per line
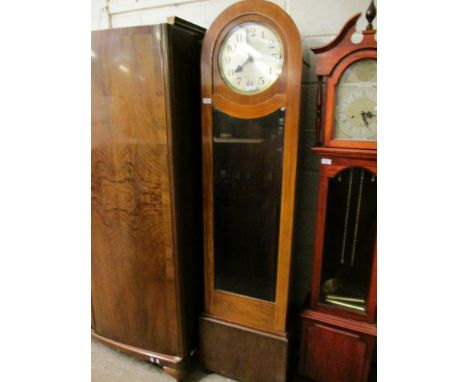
133 272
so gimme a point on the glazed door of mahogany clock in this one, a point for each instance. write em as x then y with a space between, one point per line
346 249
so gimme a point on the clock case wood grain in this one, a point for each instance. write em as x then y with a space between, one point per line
224 309
146 191
337 344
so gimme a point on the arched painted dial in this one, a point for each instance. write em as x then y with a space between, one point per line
251 58
356 115
356 102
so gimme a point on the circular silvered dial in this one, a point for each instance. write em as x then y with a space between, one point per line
356 103
251 58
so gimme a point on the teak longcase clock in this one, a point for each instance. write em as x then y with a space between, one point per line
251 71
339 327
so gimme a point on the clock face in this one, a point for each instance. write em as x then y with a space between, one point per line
251 58
356 102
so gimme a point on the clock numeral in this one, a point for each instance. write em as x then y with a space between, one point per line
239 37
276 55
249 83
231 47
261 80
230 72
263 34
238 80
271 70
227 59
252 32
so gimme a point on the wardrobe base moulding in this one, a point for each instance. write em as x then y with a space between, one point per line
172 365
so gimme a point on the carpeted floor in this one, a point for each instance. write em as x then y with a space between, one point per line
109 365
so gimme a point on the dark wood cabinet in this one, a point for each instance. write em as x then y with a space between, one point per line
146 191
339 325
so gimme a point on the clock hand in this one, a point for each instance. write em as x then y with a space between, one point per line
364 118
241 67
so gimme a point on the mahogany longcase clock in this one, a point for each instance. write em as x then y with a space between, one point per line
339 326
251 72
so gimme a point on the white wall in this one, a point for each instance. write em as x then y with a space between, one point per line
331 13
318 22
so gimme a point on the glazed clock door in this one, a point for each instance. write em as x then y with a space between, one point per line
250 88
247 164
348 241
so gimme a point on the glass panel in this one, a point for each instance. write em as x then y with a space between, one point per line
247 165
350 231
356 102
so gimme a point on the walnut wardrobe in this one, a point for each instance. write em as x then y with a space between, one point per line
146 191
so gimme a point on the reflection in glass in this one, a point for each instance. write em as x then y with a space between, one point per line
350 231
247 165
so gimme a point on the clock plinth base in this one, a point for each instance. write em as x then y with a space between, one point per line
335 349
243 354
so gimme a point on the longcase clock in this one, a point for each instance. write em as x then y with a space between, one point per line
339 326
251 69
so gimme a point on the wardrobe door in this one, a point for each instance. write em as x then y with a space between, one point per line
133 272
